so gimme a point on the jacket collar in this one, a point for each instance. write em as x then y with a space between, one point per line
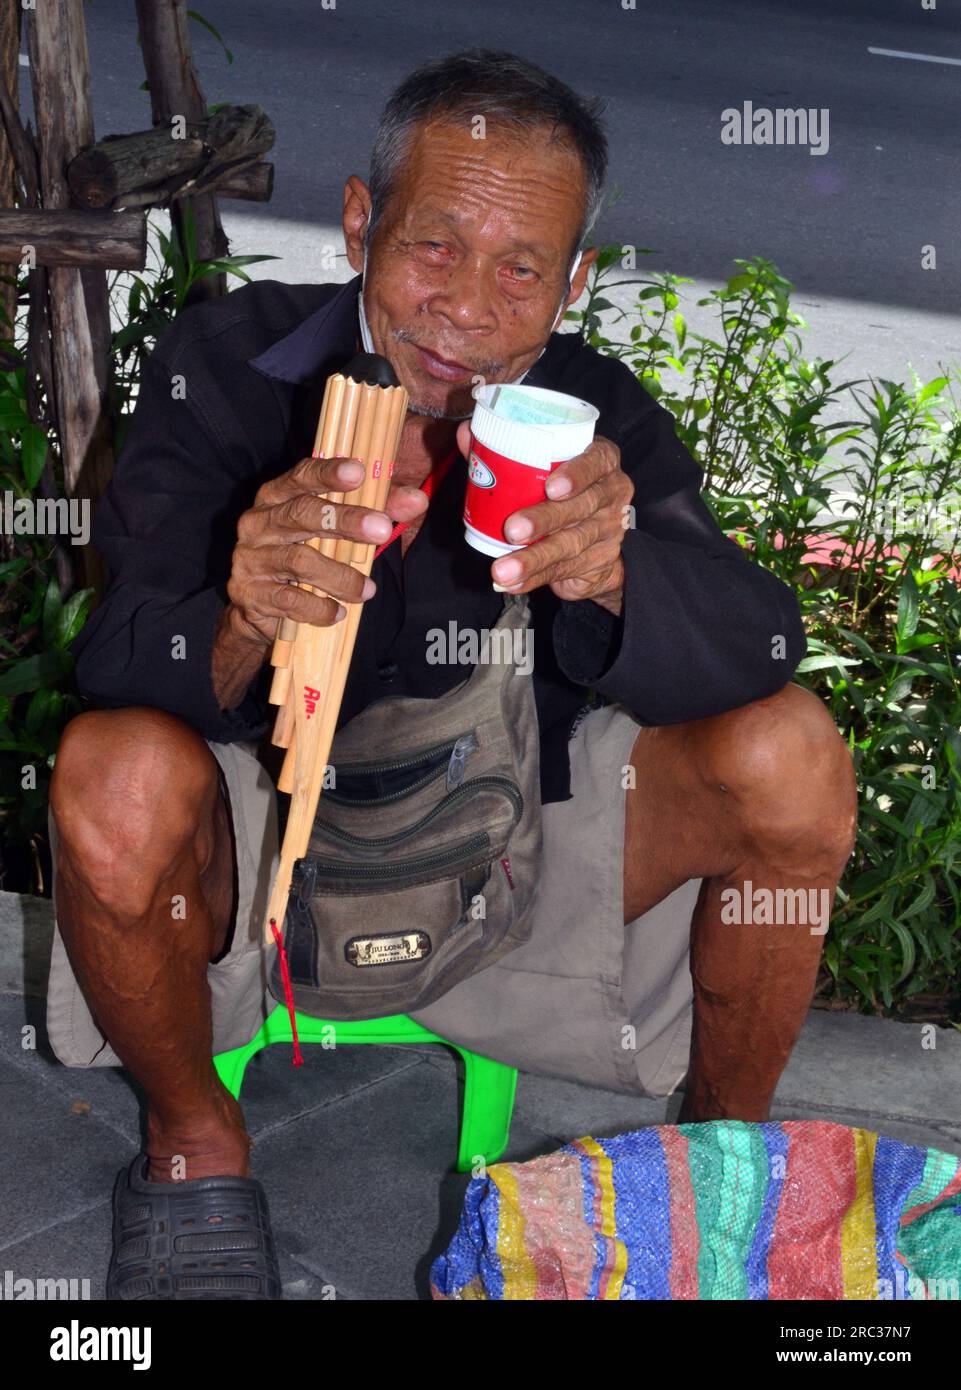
332 330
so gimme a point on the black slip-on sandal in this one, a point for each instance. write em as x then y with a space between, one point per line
209 1238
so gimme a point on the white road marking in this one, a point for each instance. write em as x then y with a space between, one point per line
24 60
918 57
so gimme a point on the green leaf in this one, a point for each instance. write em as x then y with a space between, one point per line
908 949
72 617
52 604
933 388
922 902
33 672
922 639
199 19
908 608
34 445
823 661
13 417
38 709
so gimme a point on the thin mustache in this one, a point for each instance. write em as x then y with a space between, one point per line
486 369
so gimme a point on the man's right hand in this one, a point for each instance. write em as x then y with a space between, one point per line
270 562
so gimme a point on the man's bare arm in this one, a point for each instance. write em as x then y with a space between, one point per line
236 659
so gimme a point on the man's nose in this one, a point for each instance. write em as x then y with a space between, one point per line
467 299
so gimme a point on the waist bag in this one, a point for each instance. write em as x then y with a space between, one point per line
424 854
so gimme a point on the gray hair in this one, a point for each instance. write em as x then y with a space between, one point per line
507 91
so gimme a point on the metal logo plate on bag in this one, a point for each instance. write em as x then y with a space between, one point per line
387 948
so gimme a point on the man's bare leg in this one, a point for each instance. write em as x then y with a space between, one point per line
145 874
764 793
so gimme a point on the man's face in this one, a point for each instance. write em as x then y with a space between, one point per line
468 266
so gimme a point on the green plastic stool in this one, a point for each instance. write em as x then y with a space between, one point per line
488 1086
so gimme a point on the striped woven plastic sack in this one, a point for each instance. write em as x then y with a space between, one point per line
724 1210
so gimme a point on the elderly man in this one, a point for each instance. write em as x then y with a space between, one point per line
696 771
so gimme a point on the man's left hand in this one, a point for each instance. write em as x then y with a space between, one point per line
576 535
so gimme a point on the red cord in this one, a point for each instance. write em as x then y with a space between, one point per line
429 485
288 992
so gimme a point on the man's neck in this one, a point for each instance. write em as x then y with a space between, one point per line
425 441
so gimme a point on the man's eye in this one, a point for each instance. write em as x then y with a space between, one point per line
520 274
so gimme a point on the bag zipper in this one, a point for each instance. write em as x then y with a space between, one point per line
459 748
502 784
458 758
314 867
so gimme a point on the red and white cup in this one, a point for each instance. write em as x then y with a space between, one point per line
509 461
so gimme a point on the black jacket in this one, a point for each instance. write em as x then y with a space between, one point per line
230 398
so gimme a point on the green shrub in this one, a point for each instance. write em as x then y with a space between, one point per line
849 491
41 610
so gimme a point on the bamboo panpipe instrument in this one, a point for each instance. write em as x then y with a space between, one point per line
334 425
362 417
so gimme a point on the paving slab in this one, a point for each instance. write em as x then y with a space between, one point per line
54 1163
26 935
76 1247
363 1193
902 1079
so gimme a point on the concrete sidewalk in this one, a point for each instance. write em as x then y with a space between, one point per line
356 1148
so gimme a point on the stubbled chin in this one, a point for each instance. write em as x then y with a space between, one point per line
434 398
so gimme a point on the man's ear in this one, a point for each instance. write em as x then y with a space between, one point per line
356 214
588 258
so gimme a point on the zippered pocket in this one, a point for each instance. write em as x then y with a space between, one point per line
380 782
319 875
377 845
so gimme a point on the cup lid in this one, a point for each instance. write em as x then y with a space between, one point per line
532 441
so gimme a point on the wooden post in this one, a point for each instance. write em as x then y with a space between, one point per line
111 240
10 77
175 91
78 302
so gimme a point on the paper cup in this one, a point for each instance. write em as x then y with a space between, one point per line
510 460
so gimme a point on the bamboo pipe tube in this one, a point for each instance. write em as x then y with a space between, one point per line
387 426
327 438
286 627
335 440
320 660
305 769
371 449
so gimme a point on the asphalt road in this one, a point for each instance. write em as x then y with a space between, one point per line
847 226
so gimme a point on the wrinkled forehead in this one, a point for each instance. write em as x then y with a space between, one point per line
493 181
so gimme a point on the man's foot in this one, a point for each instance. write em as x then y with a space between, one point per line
209 1238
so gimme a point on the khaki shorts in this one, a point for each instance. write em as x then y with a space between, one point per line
587 998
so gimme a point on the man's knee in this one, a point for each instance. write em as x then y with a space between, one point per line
132 791
785 766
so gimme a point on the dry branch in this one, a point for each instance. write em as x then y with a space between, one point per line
155 166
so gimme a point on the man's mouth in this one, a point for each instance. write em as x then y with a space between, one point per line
442 368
